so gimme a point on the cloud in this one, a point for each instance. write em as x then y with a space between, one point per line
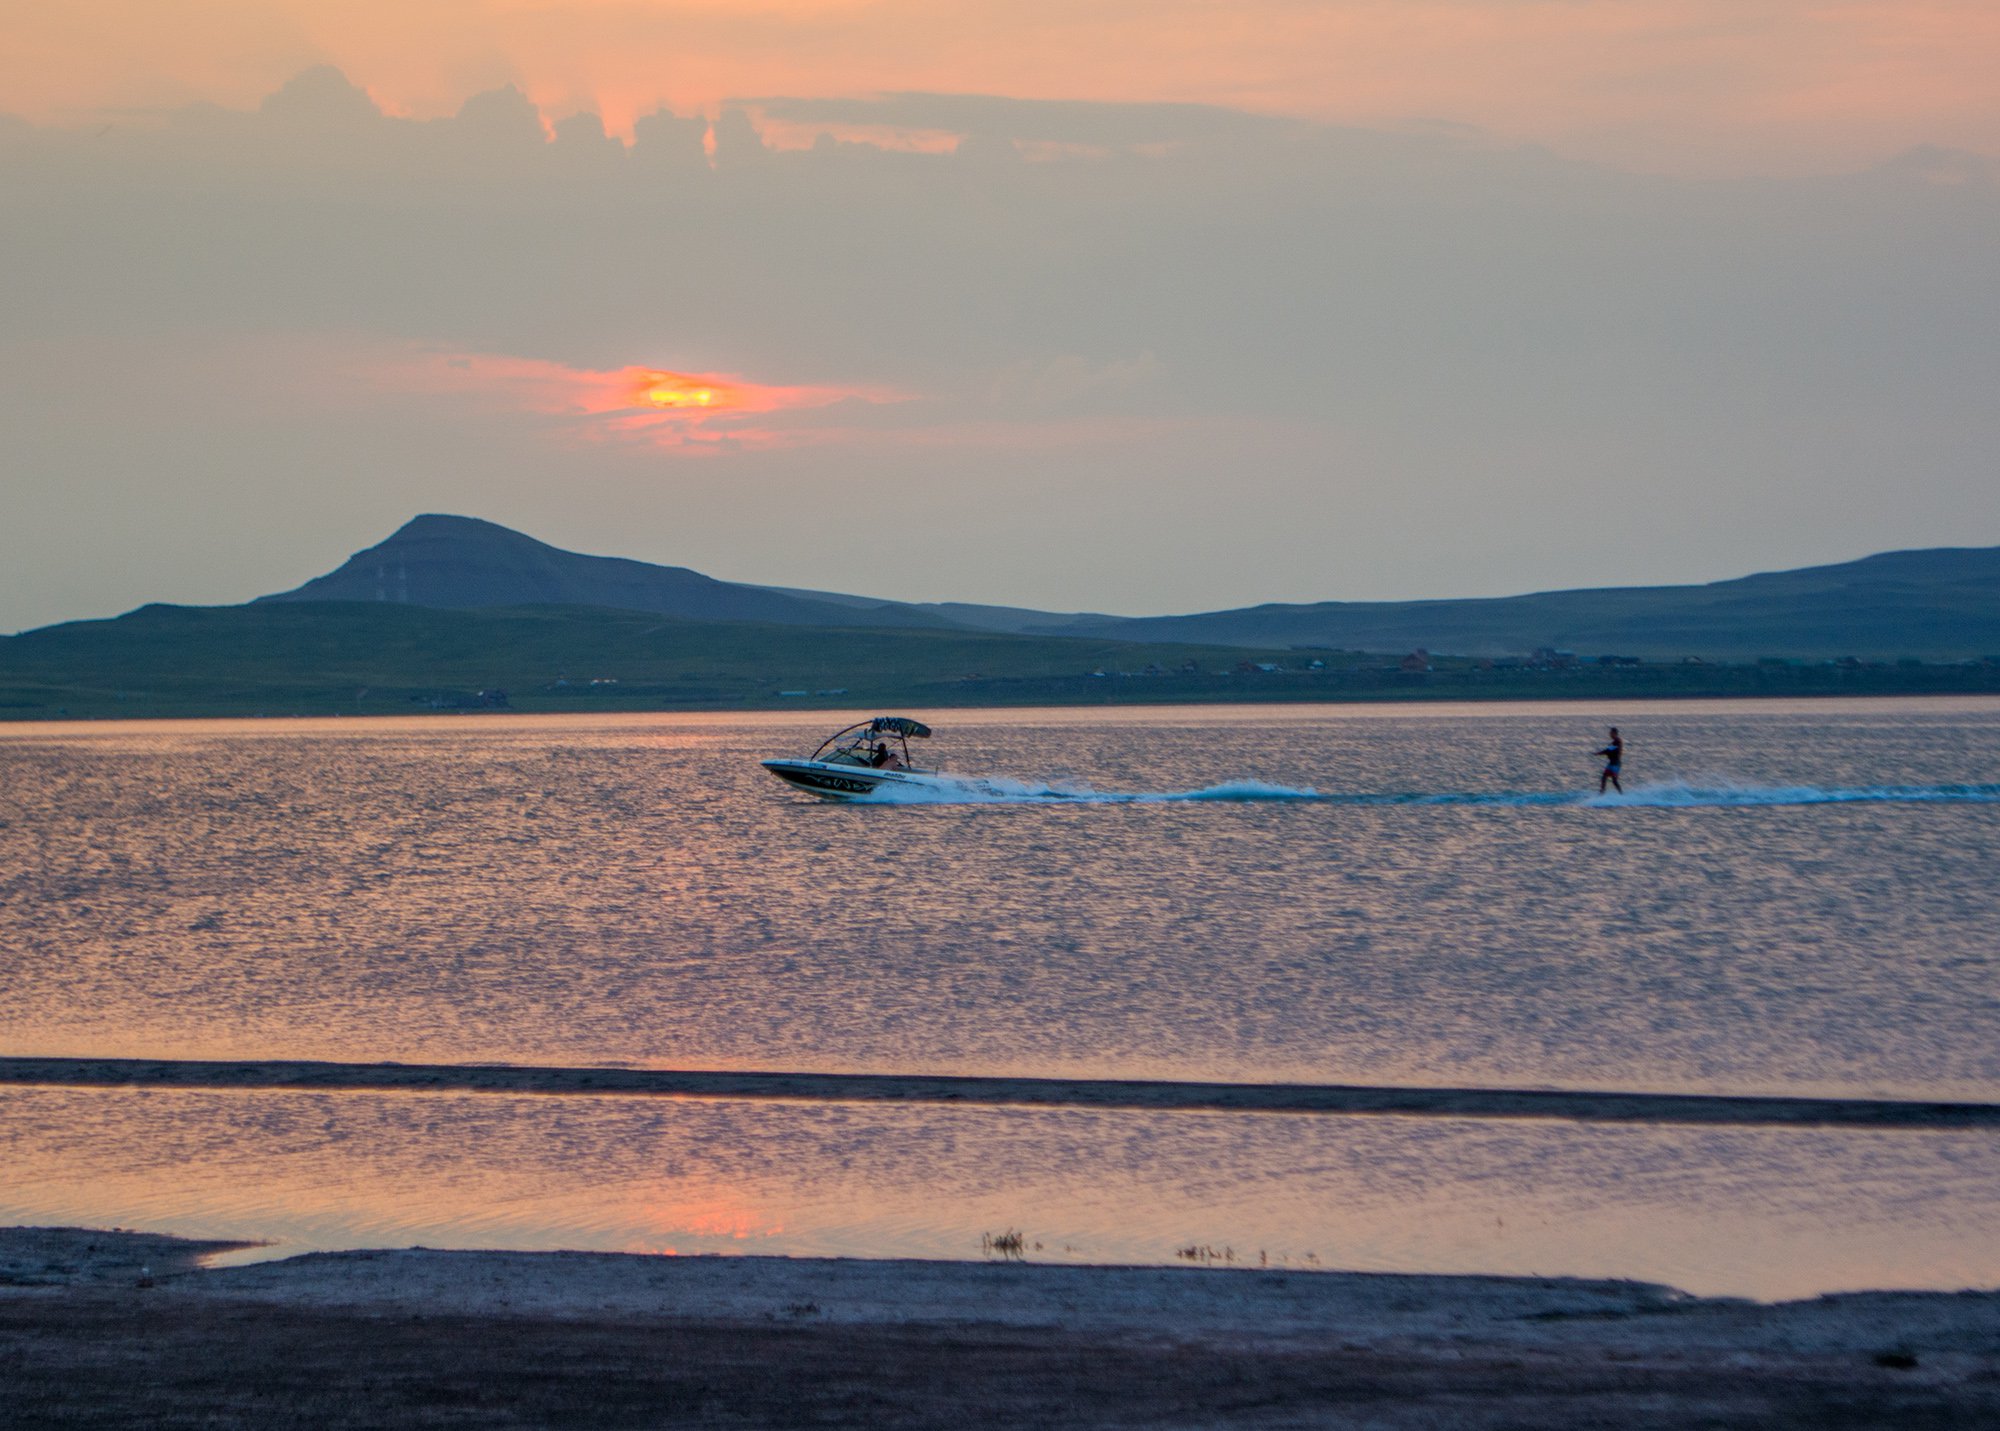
1692 86
1068 122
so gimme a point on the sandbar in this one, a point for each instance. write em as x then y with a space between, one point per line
1583 1105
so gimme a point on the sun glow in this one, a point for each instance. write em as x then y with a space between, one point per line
677 390
666 408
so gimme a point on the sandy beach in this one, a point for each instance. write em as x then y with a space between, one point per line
117 1328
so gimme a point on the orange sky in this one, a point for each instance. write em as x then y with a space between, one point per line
1688 85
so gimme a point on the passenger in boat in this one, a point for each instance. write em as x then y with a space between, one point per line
884 758
1614 756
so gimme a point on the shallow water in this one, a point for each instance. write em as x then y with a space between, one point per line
1766 1213
1789 898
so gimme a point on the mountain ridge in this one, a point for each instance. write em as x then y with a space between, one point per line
1941 602
1926 603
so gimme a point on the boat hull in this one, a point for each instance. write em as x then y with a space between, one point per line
841 782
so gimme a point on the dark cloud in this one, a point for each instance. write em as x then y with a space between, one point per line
1079 122
321 98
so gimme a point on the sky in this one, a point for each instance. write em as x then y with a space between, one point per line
1118 306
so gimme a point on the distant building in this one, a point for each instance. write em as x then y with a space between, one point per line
1417 662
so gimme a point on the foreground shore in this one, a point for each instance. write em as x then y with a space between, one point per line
113 1328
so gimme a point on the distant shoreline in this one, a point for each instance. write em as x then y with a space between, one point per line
1753 686
287 659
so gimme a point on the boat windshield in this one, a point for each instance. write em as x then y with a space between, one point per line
882 743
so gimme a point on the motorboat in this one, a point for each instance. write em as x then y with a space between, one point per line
860 760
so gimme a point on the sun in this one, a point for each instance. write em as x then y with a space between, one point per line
679 391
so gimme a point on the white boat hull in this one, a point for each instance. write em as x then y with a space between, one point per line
831 781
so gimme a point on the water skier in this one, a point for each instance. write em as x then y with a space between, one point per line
1614 756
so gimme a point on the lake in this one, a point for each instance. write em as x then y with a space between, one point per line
1791 897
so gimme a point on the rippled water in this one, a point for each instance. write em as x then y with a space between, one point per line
639 891
1789 898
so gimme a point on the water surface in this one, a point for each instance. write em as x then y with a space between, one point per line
1766 1213
637 890
1791 898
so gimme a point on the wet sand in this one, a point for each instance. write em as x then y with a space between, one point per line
102 1329
1150 1095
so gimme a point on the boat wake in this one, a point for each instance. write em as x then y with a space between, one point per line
1666 795
996 790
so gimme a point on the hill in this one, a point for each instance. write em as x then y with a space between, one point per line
461 562
1938 605
454 613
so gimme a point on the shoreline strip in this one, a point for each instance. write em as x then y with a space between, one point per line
1145 1095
